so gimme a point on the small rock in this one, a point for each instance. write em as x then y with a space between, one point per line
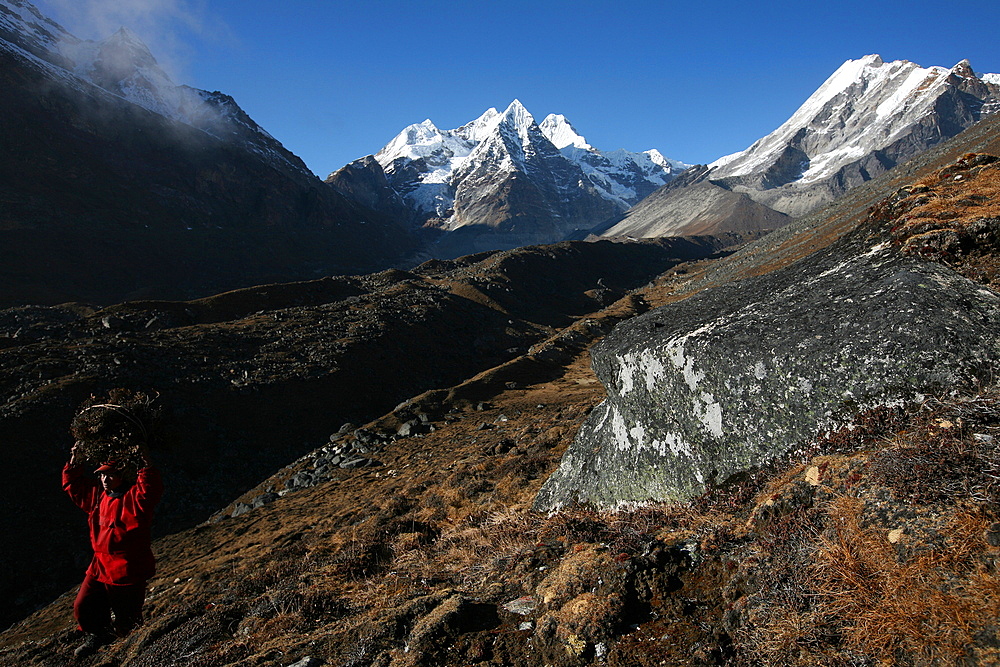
240 509
264 499
299 480
522 605
992 534
111 322
308 661
411 427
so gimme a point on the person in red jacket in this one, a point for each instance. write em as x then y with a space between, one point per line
119 508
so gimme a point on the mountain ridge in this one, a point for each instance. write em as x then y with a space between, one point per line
501 181
864 119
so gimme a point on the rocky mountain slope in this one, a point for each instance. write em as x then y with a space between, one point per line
867 117
875 544
755 369
257 377
120 184
501 181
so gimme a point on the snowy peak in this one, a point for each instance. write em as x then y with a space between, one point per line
126 48
122 64
517 116
561 133
414 142
656 157
964 70
480 128
510 138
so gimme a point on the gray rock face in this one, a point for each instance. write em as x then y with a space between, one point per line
692 204
735 376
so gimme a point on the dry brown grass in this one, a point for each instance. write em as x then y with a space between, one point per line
951 217
924 609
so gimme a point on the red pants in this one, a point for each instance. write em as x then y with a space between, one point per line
96 602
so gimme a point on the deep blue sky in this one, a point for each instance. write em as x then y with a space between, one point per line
334 80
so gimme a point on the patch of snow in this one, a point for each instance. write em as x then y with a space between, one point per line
24 19
561 133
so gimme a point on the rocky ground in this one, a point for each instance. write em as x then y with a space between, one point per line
409 540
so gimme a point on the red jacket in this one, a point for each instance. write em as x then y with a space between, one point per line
120 528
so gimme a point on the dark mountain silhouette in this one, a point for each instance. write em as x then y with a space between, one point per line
102 199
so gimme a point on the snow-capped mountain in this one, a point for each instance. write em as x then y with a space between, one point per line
504 180
866 118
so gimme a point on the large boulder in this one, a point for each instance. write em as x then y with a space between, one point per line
735 376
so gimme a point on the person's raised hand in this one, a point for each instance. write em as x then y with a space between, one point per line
75 457
144 455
